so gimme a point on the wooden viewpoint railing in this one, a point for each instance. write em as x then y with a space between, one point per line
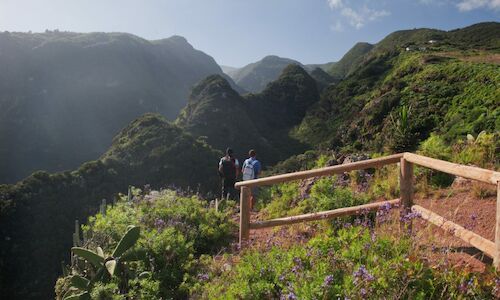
406 160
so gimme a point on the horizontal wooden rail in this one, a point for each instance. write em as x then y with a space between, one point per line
364 164
324 215
483 175
406 161
485 245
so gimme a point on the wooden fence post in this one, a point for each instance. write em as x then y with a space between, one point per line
496 259
244 215
406 192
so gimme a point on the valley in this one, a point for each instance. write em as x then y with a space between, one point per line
99 113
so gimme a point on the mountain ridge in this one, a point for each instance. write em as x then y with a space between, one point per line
259 121
65 95
149 150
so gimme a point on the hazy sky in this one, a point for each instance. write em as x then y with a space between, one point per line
237 32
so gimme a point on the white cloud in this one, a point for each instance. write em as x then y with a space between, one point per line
335 4
357 17
465 5
468 5
337 26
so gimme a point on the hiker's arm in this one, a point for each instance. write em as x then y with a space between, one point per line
221 169
237 166
257 168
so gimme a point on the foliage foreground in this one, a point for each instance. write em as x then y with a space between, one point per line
169 246
351 263
151 258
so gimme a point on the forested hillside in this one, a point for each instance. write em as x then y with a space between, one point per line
37 214
350 61
260 121
450 87
63 95
254 77
400 94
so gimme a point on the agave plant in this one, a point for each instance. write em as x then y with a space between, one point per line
403 139
106 266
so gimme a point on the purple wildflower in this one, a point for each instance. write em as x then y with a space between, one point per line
328 280
363 292
362 274
409 216
159 224
367 246
383 212
496 289
203 277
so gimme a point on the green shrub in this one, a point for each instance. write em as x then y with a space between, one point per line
435 147
349 263
325 195
175 230
385 183
480 151
106 292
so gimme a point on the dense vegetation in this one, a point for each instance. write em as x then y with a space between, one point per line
176 255
432 90
440 99
254 77
63 95
352 263
38 213
174 231
261 121
350 61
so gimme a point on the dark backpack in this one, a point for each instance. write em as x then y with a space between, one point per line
228 168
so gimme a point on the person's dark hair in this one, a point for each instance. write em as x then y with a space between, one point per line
252 153
229 151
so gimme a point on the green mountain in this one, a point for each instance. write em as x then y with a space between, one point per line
228 69
37 214
478 36
260 121
325 67
254 77
63 95
323 79
352 59
389 98
450 86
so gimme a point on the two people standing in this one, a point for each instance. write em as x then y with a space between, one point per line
229 170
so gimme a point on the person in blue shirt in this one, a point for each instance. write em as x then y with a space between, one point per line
251 169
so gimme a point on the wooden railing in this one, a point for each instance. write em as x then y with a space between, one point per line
406 160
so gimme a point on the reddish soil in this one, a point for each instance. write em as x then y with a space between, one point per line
480 57
458 204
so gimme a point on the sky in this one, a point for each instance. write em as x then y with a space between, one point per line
238 32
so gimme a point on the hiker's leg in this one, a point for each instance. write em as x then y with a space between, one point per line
224 189
232 190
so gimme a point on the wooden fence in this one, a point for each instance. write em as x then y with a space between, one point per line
406 160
